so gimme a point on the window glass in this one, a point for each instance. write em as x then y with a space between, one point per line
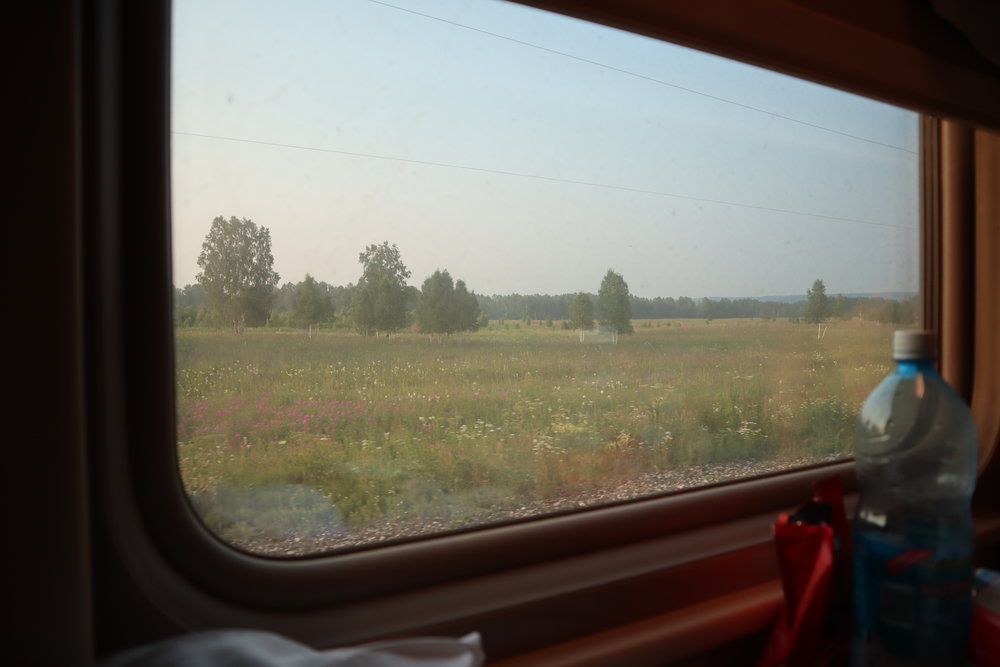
452 263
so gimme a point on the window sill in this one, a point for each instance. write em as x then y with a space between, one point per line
668 637
682 633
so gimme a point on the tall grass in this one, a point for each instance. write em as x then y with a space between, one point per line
344 431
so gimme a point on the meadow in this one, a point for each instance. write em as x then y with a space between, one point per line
285 437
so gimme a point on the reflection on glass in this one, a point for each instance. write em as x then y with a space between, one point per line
448 264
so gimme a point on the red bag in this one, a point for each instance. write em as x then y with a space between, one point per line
813 550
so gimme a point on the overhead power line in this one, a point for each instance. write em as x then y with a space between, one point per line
542 177
644 77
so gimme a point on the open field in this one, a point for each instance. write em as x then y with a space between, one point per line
333 440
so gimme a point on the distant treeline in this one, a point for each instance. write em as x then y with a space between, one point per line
238 287
556 307
192 309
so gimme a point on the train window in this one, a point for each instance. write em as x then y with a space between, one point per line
448 264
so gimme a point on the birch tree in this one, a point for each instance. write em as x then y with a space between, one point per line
614 306
379 302
581 314
237 271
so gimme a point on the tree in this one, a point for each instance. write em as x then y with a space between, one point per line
581 314
466 308
312 304
686 307
434 314
189 302
614 305
446 306
237 271
818 303
379 301
190 295
839 308
899 312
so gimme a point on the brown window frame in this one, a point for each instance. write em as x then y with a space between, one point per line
603 570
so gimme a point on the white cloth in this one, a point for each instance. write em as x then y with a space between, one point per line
252 648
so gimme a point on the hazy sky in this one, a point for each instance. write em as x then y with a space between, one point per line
527 152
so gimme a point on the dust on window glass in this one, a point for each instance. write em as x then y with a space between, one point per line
452 263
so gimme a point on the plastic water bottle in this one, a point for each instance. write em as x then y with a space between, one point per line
916 456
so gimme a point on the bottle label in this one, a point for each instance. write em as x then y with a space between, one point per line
911 602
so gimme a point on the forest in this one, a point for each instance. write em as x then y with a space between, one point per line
238 287
192 309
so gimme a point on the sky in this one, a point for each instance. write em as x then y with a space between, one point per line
526 152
